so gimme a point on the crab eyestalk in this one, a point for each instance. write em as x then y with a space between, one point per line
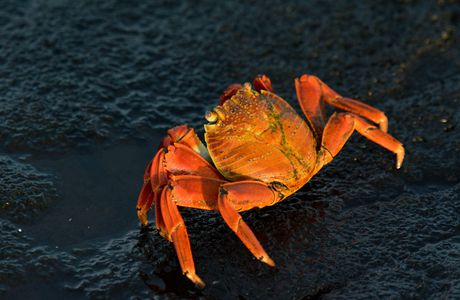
215 115
211 117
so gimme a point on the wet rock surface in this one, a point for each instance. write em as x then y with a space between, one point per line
25 191
87 89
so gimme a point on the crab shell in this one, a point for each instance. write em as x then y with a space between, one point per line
260 136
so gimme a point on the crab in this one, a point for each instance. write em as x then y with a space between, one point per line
259 151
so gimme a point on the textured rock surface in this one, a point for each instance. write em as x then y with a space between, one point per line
24 191
87 88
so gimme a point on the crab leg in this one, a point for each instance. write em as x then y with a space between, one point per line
309 96
190 191
145 198
144 202
180 152
177 234
262 82
227 198
195 191
154 179
339 129
311 92
244 195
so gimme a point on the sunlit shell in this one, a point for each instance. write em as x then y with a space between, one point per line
260 136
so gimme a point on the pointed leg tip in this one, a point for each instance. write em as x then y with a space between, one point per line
164 234
196 280
383 127
142 218
399 159
383 123
267 260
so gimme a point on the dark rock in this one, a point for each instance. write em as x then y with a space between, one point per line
81 80
24 191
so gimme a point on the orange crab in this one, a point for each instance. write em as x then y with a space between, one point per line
259 152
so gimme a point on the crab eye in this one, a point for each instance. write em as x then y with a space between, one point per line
211 116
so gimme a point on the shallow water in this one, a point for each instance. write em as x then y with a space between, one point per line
86 93
94 188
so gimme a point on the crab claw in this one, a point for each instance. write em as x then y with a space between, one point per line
185 135
178 132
